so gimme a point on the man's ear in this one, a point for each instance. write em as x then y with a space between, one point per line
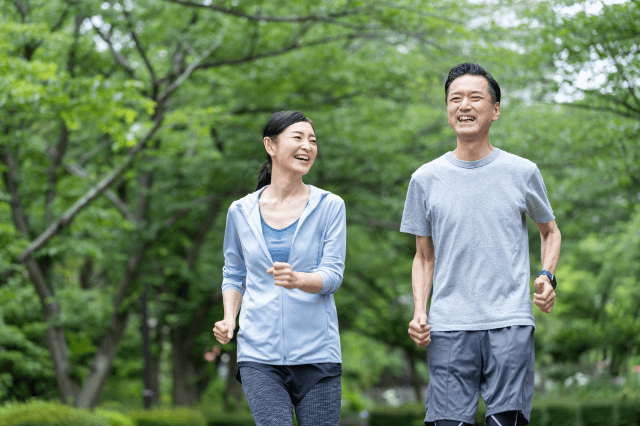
495 109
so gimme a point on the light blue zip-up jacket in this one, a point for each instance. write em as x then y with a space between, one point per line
280 326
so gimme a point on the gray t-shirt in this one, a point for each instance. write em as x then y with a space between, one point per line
474 212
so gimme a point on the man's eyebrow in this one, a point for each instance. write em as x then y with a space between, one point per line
457 92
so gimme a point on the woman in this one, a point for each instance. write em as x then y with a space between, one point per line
284 249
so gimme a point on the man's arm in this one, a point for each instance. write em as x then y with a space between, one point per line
421 282
550 253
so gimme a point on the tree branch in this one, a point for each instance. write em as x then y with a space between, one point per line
316 18
119 58
598 108
292 46
68 216
78 171
10 175
58 155
192 66
140 50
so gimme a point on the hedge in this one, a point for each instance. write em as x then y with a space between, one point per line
597 414
115 418
629 413
168 417
39 413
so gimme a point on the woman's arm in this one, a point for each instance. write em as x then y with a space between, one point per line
223 330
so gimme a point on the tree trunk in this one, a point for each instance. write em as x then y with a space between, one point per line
234 387
416 382
184 383
102 360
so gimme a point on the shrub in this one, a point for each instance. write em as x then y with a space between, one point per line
115 418
537 416
168 417
39 413
231 420
629 413
401 416
596 414
562 414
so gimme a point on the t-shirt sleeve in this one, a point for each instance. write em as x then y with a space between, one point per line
538 206
415 219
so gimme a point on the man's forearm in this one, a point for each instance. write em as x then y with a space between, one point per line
550 249
231 300
421 282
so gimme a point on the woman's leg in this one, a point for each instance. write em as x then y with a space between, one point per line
269 402
321 405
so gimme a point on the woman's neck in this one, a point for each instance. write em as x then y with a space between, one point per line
285 186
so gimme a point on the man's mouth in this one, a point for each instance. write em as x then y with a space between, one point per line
466 118
301 157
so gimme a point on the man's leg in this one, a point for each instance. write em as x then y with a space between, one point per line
268 400
507 380
455 364
447 423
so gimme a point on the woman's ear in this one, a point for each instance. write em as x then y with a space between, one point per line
268 145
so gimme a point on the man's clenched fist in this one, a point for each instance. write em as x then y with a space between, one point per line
420 331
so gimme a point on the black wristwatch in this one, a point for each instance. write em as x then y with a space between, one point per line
551 276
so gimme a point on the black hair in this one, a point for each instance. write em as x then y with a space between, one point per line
472 69
276 125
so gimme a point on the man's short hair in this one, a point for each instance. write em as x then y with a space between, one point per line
468 68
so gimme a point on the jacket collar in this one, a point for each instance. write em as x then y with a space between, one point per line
249 206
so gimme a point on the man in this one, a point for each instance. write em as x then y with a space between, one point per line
467 210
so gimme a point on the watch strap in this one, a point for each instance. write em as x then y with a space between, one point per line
551 276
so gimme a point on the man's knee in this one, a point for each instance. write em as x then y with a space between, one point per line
507 418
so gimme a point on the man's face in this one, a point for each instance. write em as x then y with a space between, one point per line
469 108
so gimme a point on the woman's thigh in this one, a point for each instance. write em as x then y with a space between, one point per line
321 405
269 402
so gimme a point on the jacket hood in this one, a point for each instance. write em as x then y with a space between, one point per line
250 201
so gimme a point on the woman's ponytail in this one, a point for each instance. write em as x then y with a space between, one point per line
264 174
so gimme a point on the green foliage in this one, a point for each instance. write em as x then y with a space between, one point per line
38 413
168 417
115 418
401 416
595 414
562 414
629 413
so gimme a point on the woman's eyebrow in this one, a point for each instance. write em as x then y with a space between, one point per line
302 133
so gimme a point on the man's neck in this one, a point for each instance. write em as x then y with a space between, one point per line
472 151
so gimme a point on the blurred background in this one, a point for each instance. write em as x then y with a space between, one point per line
128 127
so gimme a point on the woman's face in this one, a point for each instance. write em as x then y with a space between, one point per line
295 148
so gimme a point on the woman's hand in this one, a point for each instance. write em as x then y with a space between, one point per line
284 276
223 330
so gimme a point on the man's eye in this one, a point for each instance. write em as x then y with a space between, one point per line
296 137
313 141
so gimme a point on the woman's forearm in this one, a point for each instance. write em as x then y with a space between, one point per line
309 282
231 300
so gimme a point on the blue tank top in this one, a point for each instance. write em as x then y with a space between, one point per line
279 240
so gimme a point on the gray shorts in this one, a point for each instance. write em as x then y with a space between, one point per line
497 363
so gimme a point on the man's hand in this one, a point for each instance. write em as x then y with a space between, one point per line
223 330
420 331
545 296
283 275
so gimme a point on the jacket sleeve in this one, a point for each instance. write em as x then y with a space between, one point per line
234 271
334 248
